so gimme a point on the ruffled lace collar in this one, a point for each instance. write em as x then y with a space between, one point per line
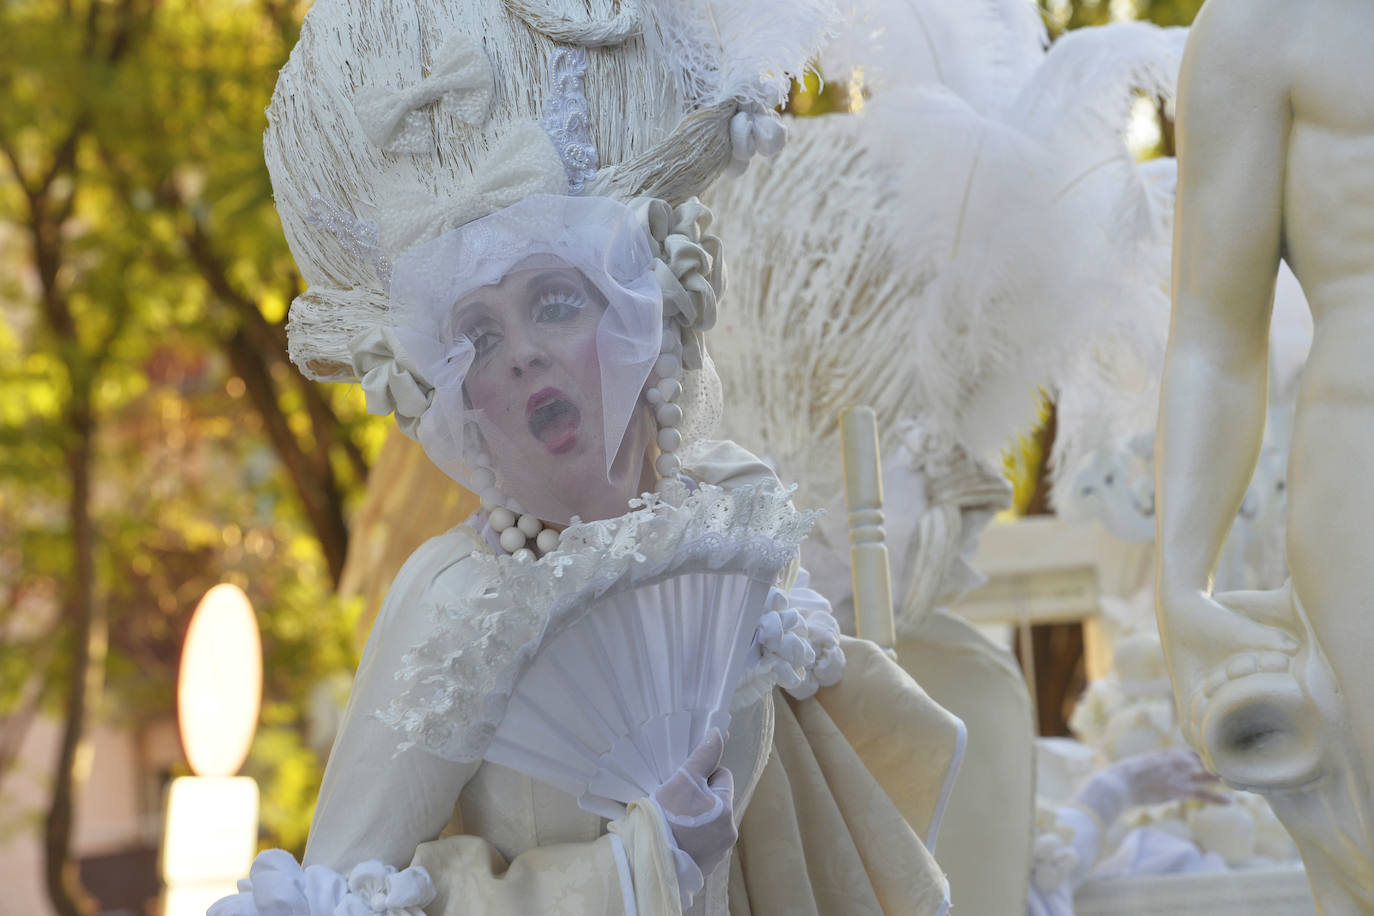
459 680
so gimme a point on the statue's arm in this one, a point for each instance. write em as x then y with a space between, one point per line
1233 124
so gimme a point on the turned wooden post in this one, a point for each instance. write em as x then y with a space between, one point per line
863 493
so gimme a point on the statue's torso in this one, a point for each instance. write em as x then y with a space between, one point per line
1329 180
1328 223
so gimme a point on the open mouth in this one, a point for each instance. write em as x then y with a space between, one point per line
553 420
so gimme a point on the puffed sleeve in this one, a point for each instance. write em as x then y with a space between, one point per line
376 802
380 810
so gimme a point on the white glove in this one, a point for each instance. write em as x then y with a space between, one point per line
697 804
1149 779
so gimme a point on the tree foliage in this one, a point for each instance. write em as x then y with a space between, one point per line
153 438
1073 14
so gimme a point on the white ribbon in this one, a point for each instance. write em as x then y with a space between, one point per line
461 77
375 888
522 163
392 381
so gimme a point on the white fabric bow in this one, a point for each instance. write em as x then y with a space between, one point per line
522 163
754 130
277 886
375 888
392 382
461 77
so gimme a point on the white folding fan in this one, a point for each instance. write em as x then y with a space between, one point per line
611 706
600 666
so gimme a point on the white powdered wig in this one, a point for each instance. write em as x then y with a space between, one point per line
664 80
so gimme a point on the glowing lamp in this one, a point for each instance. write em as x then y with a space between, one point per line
219 687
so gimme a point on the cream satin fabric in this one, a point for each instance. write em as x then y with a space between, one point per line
835 792
856 773
831 829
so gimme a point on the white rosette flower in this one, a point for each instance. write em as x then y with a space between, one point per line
277 886
797 646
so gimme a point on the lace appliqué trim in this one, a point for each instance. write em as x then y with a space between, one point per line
565 117
360 237
461 678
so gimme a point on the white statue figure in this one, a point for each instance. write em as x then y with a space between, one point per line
1130 712
493 203
1073 835
1275 137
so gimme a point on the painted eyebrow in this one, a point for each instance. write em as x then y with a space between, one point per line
546 276
532 283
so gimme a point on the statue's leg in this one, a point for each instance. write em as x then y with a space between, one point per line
1330 541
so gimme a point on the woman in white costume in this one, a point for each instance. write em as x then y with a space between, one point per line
493 205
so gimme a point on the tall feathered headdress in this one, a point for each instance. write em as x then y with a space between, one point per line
396 119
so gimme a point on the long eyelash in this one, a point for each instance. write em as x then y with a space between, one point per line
475 334
561 297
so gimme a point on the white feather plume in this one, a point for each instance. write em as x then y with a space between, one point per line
946 258
1108 392
749 49
939 280
983 50
1084 88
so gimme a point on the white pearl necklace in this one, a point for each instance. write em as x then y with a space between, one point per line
516 529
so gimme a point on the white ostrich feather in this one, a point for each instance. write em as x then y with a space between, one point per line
947 256
1109 391
1084 88
724 49
935 279
983 50
815 275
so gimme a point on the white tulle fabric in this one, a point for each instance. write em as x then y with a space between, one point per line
657 267
277 886
421 361
457 681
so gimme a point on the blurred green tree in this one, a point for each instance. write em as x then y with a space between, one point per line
155 440
1073 14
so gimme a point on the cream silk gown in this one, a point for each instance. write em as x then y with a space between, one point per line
837 797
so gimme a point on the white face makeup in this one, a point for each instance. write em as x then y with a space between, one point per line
535 388
537 328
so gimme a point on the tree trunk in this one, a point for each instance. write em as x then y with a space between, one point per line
89 639
312 476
